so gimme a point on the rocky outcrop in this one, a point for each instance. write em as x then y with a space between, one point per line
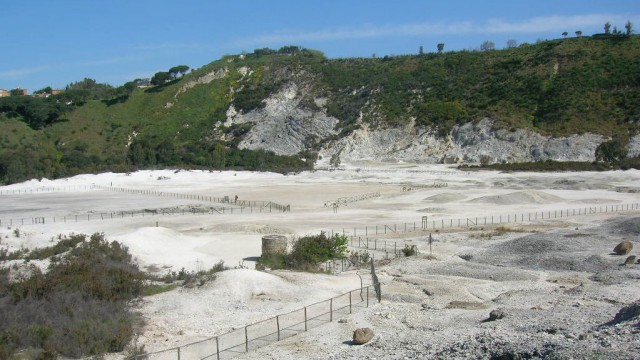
283 126
467 143
286 127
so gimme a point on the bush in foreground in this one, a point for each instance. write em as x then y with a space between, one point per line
77 309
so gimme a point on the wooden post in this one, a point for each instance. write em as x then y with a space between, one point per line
246 339
305 318
217 349
278 325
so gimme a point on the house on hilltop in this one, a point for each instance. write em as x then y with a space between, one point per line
4 92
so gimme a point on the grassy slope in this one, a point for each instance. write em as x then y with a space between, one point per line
558 87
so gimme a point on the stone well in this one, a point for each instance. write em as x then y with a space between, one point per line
274 245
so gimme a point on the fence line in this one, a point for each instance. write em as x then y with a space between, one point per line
115 215
484 220
44 189
377 170
221 200
265 332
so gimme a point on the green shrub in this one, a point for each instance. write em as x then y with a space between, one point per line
410 250
78 308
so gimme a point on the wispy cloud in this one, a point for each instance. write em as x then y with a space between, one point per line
491 26
20 73
113 60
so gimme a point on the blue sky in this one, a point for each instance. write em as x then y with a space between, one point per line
53 43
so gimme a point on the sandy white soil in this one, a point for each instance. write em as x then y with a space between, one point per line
555 279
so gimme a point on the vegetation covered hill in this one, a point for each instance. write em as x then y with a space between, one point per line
558 87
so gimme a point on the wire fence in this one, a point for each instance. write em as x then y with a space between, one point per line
115 215
265 332
357 233
216 199
235 206
45 189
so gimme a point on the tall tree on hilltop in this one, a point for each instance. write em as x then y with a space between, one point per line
440 47
180 69
607 28
629 27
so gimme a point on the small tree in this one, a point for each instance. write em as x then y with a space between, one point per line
421 50
607 28
612 151
629 27
511 43
564 34
160 78
335 160
440 47
178 70
487 45
16 92
579 33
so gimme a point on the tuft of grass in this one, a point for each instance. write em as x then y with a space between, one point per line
155 289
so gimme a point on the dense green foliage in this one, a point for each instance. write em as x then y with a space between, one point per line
557 87
77 308
542 166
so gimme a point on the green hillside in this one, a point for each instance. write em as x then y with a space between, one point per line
558 87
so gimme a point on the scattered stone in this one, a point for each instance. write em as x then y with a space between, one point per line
623 248
630 260
496 314
362 336
586 336
427 292
627 313
343 321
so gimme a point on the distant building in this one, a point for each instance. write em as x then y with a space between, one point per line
4 92
46 94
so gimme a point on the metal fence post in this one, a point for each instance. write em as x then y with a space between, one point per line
217 349
305 318
278 325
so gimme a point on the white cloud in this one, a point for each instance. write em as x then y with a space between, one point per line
113 60
533 25
20 73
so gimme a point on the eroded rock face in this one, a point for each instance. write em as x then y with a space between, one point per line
286 127
283 126
467 143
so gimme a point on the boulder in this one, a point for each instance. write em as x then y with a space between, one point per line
630 260
496 314
623 248
362 336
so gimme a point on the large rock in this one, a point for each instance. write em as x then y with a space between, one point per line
630 260
496 314
362 336
623 248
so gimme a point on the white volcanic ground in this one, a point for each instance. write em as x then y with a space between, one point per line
555 279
